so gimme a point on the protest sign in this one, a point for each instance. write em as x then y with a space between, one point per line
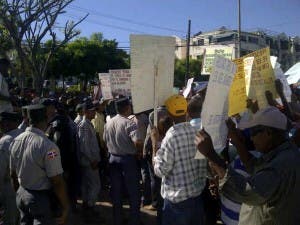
215 106
283 79
237 95
188 88
105 85
211 53
120 82
152 68
262 69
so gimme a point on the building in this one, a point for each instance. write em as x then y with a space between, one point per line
285 48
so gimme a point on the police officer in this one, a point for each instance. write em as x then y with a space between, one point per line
36 170
89 159
8 124
123 143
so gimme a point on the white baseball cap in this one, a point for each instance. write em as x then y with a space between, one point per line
269 117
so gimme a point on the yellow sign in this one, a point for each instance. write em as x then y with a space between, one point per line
261 68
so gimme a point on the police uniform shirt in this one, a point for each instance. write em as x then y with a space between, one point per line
119 135
5 142
35 159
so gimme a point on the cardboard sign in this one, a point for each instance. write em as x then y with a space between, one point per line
211 53
152 68
120 82
104 79
262 70
215 106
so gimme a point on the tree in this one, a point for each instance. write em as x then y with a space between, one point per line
180 70
87 57
28 23
5 41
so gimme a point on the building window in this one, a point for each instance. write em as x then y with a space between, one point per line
201 42
253 40
297 47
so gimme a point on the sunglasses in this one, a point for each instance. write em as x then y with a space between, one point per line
256 130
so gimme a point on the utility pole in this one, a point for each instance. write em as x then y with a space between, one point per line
239 30
187 73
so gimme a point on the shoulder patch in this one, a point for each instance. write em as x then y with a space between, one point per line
51 154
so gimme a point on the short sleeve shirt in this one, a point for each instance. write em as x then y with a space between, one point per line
35 159
119 135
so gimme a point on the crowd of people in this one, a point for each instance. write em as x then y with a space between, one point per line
57 150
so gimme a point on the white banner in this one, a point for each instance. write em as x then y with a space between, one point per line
104 79
120 82
215 106
286 87
188 87
152 68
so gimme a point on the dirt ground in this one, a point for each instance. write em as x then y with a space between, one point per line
103 215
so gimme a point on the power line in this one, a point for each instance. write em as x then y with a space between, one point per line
106 25
97 13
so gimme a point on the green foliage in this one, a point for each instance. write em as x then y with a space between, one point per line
88 57
180 70
5 40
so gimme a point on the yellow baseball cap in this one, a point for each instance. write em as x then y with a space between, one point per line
176 105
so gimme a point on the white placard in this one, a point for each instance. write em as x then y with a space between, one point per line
104 78
151 55
120 82
286 88
188 88
215 106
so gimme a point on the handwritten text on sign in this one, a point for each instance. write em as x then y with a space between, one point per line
215 107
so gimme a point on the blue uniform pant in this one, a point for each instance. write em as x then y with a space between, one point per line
187 212
124 170
8 200
34 207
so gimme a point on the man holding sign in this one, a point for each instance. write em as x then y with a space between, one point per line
183 177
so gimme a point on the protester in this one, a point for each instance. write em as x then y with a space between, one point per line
183 177
79 116
163 125
89 160
60 131
273 186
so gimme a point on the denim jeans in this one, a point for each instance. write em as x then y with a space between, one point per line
187 212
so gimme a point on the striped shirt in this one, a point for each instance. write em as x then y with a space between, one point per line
183 177
89 148
230 210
